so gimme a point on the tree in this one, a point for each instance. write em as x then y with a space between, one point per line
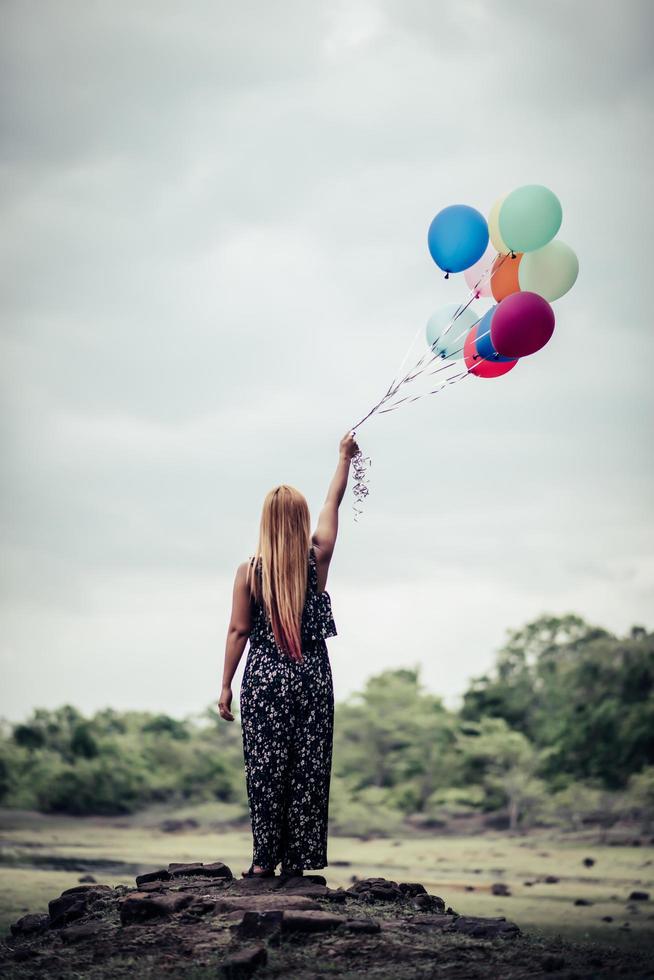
577 691
396 737
641 794
504 762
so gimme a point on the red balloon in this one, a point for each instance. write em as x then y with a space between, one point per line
522 324
476 364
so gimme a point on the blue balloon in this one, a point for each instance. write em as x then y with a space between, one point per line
457 237
483 343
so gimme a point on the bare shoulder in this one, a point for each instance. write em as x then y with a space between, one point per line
241 578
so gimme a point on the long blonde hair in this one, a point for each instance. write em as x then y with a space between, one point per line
283 550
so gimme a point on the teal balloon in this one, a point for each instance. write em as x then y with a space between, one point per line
449 345
550 271
530 217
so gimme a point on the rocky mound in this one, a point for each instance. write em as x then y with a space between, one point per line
199 918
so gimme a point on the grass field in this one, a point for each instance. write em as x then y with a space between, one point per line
40 856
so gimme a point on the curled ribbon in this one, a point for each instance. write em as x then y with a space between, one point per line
360 466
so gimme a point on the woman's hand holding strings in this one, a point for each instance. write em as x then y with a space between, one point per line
348 446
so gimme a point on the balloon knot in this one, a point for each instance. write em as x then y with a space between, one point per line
447 275
512 254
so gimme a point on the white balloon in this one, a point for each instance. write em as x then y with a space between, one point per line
447 337
549 271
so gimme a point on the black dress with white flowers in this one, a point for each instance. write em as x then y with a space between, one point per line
287 718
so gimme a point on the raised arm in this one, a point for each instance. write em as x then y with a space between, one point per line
324 537
237 636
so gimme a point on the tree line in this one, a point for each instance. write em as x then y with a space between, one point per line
559 731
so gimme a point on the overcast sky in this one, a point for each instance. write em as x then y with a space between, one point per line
214 221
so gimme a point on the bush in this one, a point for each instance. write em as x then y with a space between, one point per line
365 815
94 786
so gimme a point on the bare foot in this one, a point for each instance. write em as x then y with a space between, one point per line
254 869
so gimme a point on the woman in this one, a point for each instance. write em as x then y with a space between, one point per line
287 699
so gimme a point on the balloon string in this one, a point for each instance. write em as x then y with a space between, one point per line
463 374
361 463
413 373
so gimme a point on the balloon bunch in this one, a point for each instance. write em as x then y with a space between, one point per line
512 258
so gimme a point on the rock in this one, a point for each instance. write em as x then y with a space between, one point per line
74 902
582 901
499 888
264 903
471 888
177 869
361 884
217 870
639 897
477 928
298 886
86 930
196 868
66 909
30 924
361 925
303 879
428 903
139 906
253 886
607 918
551 880
376 890
295 921
86 878
412 888
336 895
198 907
243 964
260 925
382 894
162 874
552 963
345 864
484 928
152 886
588 862
95 891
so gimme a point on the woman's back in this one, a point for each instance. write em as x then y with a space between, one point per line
317 621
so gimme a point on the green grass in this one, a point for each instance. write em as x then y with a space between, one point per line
447 866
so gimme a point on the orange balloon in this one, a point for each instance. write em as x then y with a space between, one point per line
504 277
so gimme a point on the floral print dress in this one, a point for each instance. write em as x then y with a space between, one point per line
287 722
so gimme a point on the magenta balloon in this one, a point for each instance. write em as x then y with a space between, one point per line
522 324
